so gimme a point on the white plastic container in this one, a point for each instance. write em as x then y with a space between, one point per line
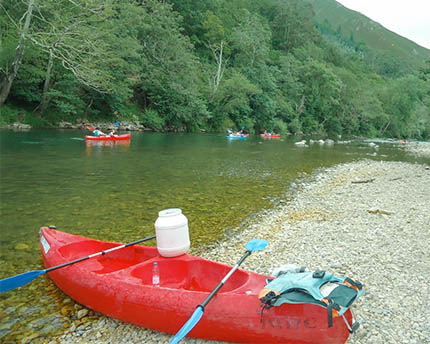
171 230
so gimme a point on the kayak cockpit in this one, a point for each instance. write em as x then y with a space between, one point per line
187 274
136 261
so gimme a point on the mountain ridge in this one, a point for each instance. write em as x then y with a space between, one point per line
364 29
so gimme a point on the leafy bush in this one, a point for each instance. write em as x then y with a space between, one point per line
152 119
295 126
9 115
249 124
128 111
36 122
279 126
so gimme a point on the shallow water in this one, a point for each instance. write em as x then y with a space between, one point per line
114 190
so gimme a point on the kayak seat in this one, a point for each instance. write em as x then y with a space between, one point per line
193 275
110 261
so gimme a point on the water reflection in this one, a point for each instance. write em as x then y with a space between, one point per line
94 146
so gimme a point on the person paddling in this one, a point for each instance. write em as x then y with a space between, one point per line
98 132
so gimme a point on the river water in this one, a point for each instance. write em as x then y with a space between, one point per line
114 191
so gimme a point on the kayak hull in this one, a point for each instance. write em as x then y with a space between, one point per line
240 137
270 135
119 284
108 138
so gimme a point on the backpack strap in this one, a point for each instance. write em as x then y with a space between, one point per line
332 310
353 284
268 297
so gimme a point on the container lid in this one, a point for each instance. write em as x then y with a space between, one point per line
170 212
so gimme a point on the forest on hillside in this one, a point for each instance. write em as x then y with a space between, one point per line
184 65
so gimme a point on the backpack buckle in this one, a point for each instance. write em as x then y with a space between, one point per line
318 274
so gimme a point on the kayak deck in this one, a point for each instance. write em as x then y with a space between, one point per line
119 284
177 274
242 137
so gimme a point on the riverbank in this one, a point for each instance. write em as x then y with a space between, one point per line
368 220
83 125
421 149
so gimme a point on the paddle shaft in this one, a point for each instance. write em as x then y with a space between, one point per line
219 286
26 277
100 253
251 246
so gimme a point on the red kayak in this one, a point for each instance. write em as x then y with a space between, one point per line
119 284
270 135
106 138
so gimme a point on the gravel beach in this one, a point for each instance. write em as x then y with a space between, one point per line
368 220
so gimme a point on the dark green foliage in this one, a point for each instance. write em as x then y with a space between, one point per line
234 99
10 114
151 119
27 82
284 66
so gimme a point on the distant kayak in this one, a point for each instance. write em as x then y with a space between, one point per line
270 135
109 138
237 136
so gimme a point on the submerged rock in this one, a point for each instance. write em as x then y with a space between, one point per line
21 247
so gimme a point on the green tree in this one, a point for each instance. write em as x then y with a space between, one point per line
401 99
233 99
9 76
169 77
250 40
290 89
292 24
215 40
322 90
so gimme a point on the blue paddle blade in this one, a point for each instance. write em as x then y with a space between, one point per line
19 280
189 325
256 245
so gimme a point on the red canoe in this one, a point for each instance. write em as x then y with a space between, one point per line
270 135
118 284
106 138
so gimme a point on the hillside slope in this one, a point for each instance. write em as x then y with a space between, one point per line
350 23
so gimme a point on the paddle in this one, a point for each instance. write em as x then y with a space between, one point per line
253 245
26 277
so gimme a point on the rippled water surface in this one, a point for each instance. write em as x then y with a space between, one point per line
114 190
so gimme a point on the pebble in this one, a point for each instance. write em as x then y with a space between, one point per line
326 224
82 313
21 247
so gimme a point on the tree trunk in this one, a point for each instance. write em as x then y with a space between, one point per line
386 127
220 70
8 81
45 101
301 106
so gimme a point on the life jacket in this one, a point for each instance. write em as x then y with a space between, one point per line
337 294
